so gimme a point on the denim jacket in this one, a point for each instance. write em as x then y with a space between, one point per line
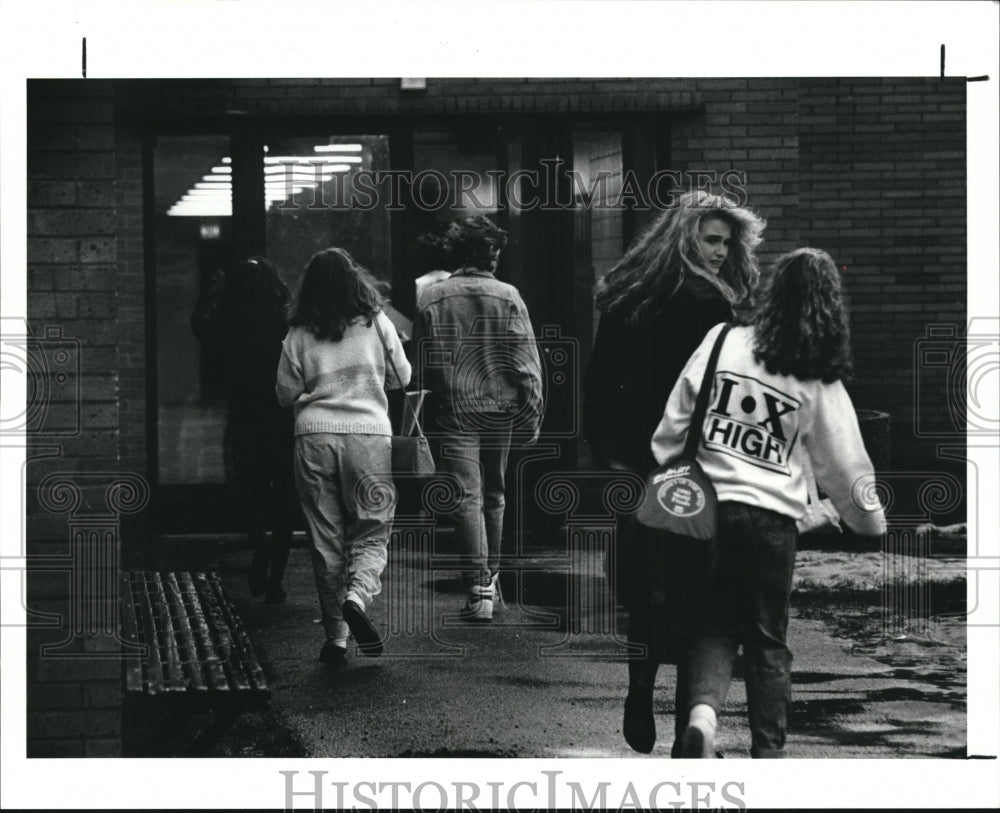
474 349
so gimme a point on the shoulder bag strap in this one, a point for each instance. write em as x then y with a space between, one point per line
395 372
701 405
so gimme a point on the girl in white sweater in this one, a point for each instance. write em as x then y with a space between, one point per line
777 396
333 372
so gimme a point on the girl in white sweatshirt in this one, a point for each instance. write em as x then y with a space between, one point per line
777 396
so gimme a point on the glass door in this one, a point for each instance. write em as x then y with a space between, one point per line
217 200
192 223
322 192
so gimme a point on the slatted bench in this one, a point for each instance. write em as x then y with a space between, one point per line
197 658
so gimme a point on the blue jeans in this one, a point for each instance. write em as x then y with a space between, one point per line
747 603
348 498
478 459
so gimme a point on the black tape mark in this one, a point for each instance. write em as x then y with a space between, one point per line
942 60
84 57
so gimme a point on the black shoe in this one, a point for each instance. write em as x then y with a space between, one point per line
257 579
333 654
361 626
275 595
639 725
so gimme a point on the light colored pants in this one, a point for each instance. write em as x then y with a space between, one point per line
348 498
479 460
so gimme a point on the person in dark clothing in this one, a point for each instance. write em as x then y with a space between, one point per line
683 276
244 315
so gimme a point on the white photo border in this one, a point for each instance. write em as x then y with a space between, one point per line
497 39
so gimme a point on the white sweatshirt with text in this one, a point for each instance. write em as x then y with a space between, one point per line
759 426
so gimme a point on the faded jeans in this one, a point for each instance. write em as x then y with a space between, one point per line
348 498
747 603
477 457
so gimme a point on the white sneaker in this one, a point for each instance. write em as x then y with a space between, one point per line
698 739
697 742
479 605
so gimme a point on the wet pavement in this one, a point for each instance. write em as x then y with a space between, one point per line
547 678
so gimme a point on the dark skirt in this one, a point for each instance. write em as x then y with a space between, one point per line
660 579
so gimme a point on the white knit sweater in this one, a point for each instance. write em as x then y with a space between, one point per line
339 387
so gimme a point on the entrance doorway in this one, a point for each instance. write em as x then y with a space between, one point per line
373 189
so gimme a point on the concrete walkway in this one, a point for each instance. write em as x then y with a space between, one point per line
547 678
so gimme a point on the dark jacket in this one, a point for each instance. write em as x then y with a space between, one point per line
250 346
634 366
474 349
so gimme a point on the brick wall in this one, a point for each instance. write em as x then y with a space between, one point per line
73 705
376 97
882 166
71 258
873 171
131 296
751 126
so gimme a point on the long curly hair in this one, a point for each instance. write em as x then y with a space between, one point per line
656 265
801 321
254 290
335 292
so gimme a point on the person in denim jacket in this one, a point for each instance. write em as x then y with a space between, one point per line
474 349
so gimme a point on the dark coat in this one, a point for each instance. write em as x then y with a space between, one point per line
633 368
250 344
